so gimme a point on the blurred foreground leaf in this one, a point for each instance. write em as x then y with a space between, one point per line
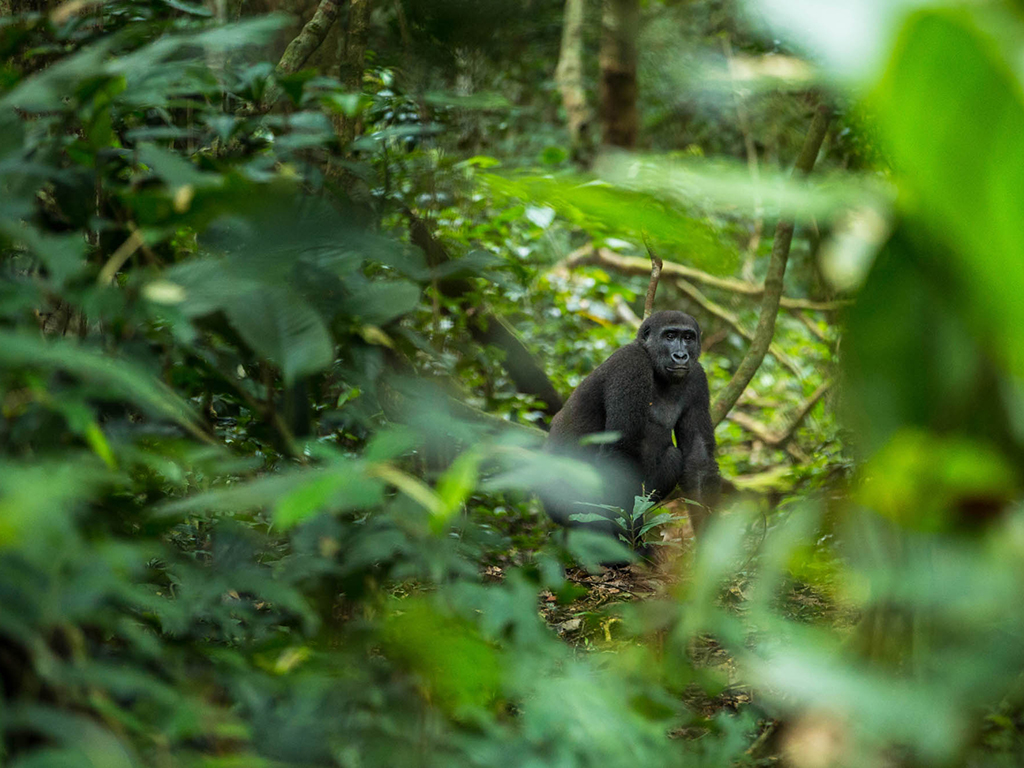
950 108
123 378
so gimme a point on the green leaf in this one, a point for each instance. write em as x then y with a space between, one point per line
388 444
12 133
554 155
81 420
292 84
954 134
657 520
591 548
327 490
381 302
48 89
458 482
63 255
120 377
175 170
599 206
37 500
52 757
481 100
458 666
338 488
280 326
348 104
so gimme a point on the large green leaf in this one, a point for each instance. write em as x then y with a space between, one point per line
951 109
599 206
295 496
121 377
727 186
280 326
63 255
380 302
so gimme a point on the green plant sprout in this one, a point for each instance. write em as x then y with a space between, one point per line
635 529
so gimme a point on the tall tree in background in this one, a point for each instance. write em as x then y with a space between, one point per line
620 25
351 58
569 75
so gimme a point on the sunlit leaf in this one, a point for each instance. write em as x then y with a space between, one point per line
462 670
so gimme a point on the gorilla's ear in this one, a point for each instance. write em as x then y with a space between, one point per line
645 331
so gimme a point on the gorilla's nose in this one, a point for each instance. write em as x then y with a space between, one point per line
681 357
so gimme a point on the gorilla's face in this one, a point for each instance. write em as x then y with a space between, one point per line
672 340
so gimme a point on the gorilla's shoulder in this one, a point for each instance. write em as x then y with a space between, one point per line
630 356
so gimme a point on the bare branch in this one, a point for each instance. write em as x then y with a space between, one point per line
652 287
762 433
813 327
634 265
804 410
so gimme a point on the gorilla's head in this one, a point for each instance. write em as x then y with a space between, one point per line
672 339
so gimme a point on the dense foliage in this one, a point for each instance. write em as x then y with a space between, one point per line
274 349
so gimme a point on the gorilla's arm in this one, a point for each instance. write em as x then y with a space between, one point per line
626 393
630 389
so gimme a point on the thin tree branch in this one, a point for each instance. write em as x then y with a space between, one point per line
652 287
762 433
813 327
634 265
805 409
728 396
779 439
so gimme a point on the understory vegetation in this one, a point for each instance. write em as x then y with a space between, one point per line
289 293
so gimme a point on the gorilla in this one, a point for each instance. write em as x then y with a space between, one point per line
646 392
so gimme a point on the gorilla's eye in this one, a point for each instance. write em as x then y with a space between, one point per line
689 336
670 335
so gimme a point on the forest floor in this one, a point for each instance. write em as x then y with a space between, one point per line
589 624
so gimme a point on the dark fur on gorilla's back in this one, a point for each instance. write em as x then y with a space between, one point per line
647 391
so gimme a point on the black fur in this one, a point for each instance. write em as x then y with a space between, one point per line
646 392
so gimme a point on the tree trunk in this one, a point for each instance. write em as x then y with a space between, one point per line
620 26
569 75
305 44
727 398
309 39
351 63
